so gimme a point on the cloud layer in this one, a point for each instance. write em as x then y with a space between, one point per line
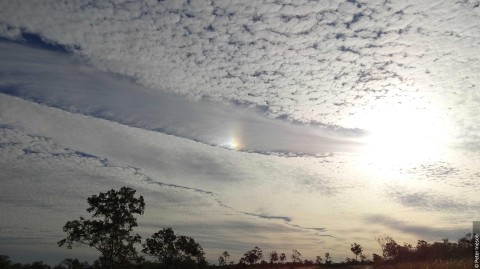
182 179
177 98
57 80
327 61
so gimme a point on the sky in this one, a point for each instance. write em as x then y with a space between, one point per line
307 125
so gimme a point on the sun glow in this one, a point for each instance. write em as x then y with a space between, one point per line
403 136
232 143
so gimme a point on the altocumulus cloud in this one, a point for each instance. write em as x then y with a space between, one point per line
325 61
433 200
294 79
60 81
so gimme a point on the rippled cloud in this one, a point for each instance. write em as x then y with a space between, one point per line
57 80
310 61
208 105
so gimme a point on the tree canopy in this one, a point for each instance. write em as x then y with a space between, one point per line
171 249
110 231
110 228
253 256
356 249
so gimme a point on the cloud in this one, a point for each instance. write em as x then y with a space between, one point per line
48 182
421 231
437 171
60 81
431 201
264 216
287 80
329 64
305 61
28 148
49 168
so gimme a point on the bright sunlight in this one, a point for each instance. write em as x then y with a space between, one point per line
404 135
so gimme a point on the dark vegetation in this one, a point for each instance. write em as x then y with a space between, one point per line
110 231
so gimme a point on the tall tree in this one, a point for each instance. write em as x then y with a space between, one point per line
225 256
221 261
110 228
253 256
390 247
283 257
273 257
171 249
318 260
296 256
356 249
328 259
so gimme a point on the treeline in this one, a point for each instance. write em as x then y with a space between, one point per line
424 251
7 263
110 231
392 253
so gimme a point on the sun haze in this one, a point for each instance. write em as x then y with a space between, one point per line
305 125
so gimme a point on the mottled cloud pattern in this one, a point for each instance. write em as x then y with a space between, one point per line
290 124
57 80
326 61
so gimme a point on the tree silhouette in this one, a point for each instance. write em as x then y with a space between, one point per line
171 249
283 257
253 256
357 250
72 264
424 251
5 261
221 261
318 260
273 257
37 265
328 259
110 229
389 247
296 256
225 255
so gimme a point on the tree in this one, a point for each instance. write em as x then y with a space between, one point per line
36 265
72 264
318 260
221 261
242 261
390 248
328 259
254 255
110 229
5 261
308 262
356 249
377 259
296 256
171 249
283 257
225 256
273 257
